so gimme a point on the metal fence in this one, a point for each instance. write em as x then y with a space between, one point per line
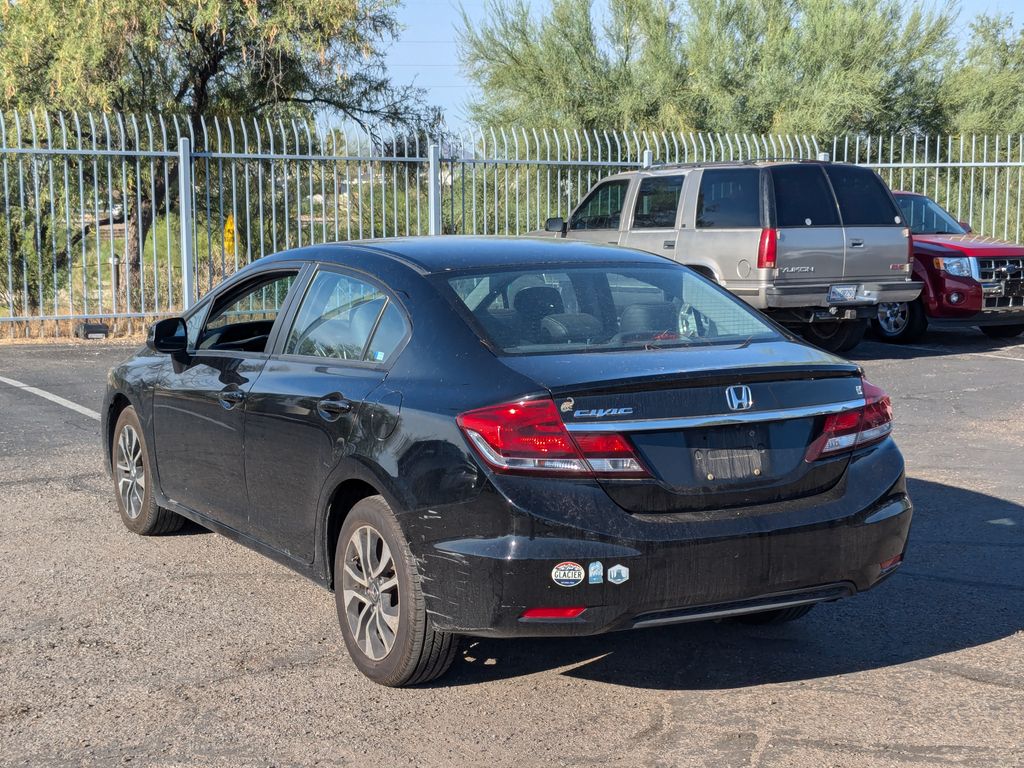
94 224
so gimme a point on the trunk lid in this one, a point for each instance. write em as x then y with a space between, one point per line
674 408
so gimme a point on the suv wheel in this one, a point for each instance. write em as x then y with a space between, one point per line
380 601
841 336
1002 331
900 322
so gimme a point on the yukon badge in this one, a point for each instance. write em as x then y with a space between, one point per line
739 397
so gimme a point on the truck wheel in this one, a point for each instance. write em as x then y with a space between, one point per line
381 609
900 322
840 336
1002 331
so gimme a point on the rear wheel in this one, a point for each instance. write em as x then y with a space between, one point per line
1002 331
778 616
900 322
380 601
133 480
839 336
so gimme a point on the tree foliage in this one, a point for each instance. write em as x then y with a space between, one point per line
806 66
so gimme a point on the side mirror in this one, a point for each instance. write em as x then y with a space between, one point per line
966 226
555 224
168 336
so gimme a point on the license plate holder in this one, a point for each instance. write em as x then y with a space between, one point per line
715 464
840 294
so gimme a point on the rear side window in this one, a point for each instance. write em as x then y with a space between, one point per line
657 202
337 317
603 207
863 197
729 198
803 197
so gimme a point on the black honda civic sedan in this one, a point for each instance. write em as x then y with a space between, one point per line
507 437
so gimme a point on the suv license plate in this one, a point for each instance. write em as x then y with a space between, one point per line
840 293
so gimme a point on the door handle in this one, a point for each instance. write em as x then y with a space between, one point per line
229 398
332 408
669 244
858 243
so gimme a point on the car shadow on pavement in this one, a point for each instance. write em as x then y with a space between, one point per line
962 586
934 344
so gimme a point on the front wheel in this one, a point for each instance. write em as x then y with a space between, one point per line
900 322
1002 331
133 480
839 336
380 602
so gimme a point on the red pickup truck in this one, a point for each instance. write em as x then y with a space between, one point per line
966 279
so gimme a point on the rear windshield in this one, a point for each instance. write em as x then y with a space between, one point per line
926 217
574 308
803 197
863 198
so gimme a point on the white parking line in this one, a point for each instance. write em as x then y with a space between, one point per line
51 397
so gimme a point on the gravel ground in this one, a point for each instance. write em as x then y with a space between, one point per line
191 650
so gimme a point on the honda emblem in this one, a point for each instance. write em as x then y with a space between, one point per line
739 397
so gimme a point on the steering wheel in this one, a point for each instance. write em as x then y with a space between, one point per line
691 323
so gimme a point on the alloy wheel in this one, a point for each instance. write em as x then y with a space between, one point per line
370 592
893 317
131 469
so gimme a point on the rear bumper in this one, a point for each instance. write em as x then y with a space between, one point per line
868 294
680 567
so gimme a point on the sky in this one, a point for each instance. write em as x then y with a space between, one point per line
425 54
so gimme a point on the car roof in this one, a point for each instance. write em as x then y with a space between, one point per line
458 252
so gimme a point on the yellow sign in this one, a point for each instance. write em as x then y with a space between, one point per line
229 234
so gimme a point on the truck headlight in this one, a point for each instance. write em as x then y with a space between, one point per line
957 266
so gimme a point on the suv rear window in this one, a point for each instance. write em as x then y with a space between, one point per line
803 197
864 199
729 198
657 202
581 308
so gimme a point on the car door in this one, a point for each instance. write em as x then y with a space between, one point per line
810 240
598 218
198 404
304 413
876 234
654 224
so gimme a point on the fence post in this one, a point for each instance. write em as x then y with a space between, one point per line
434 189
185 216
648 158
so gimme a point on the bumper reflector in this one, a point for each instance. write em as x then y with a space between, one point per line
552 613
891 563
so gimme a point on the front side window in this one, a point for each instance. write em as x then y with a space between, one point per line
657 202
729 198
603 207
926 217
338 317
803 197
580 308
243 318
864 200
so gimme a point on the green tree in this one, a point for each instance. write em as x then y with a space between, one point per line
985 91
814 66
200 58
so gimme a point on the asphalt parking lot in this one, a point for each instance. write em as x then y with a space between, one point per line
190 650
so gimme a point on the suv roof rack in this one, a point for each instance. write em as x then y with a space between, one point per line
747 161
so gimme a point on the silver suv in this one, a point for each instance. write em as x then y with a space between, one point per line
816 245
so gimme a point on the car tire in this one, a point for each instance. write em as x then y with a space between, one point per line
380 603
901 322
132 470
778 616
1002 331
838 337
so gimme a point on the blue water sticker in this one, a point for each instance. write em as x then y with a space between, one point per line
596 573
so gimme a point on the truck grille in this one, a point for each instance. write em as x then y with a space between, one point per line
1009 272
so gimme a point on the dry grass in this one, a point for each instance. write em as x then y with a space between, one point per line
63 331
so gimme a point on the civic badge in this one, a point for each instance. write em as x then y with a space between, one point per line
739 397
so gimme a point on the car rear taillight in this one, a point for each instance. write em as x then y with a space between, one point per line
855 428
910 247
529 437
553 613
767 249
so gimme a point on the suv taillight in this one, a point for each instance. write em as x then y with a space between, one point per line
767 249
910 248
855 428
529 437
